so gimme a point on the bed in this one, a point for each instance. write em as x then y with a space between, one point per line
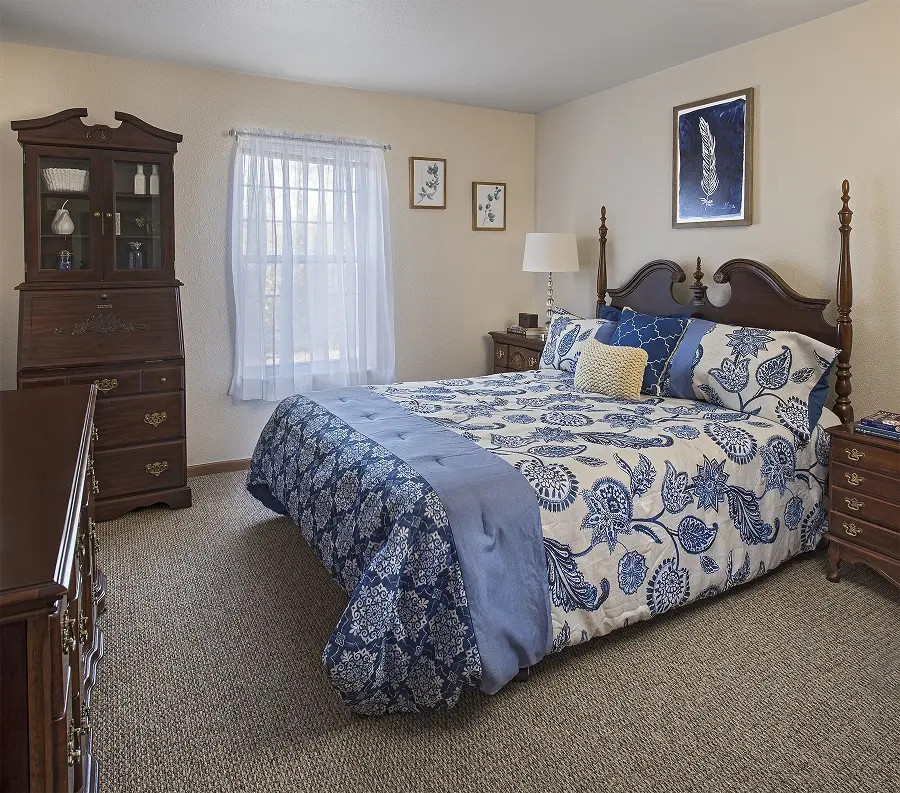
480 524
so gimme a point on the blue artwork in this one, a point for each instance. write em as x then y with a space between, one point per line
713 161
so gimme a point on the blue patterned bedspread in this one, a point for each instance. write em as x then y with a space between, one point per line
644 506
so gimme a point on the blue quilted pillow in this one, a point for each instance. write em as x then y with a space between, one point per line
658 336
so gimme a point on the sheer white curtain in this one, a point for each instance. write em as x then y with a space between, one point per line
311 261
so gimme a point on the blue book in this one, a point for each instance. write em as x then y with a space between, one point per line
883 421
891 436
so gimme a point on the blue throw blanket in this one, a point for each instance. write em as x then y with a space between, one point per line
437 541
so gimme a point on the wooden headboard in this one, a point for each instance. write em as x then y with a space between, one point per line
759 298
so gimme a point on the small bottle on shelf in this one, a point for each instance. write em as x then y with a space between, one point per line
140 181
154 180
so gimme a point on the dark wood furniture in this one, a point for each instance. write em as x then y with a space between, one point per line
51 590
114 318
864 495
759 298
514 353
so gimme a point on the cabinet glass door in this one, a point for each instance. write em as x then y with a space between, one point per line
67 217
138 216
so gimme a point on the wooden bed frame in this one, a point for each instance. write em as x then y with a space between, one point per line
759 298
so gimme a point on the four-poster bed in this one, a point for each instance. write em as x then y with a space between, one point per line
478 524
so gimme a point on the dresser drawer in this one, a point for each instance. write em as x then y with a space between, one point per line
862 481
137 469
521 359
501 355
147 418
859 454
112 383
866 507
862 532
162 378
94 325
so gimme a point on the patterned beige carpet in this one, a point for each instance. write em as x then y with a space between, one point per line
212 681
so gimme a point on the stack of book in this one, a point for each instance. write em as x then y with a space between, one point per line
881 425
529 333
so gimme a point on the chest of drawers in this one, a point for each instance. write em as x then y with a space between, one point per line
515 353
51 590
864 491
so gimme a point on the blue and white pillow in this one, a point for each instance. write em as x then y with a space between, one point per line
567 337
779 375
658 336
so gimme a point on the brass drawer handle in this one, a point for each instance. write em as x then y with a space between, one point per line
855 479
157 468
74 750
532 361
106 384
852 529
854 503
155 419
92 533
82 624
95 485
67 635
500 354
94 433
855 454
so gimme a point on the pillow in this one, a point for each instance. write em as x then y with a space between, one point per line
567 337
609 312
777 374
658 336
613 371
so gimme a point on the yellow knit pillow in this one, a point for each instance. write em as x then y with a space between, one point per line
612 371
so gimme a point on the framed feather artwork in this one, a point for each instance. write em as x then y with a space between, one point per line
712 168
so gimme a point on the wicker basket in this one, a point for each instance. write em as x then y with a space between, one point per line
65 180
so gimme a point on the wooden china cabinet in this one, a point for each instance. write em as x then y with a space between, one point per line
100 301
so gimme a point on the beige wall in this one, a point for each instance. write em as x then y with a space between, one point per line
828 108
451 284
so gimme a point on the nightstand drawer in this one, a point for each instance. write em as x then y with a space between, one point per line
861 532
861 481
522 359
501 355
866 507
860 454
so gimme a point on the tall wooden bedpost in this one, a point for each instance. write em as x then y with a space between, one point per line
842 407
601 267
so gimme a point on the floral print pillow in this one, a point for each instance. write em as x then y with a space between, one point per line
567 337
778 375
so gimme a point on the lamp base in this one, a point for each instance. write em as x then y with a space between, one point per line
549 300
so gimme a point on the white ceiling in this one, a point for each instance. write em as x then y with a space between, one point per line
527 55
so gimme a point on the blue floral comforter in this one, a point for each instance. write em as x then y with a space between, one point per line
644 507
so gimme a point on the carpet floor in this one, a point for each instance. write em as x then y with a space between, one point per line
212 681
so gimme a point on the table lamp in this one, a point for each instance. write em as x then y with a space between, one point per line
550 253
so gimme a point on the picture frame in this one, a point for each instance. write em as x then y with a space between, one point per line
427 183
488 206
712 161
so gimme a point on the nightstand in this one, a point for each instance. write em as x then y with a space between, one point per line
514 353
864 491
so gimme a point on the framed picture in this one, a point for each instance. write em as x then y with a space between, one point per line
488 206
427 183
712 168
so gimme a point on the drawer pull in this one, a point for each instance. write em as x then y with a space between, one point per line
74 750
854 503
157 468
855 454
855 479
500 354
162 379
92 533
82 624
94 433
67 635
852 529
532 361
106 384
155 419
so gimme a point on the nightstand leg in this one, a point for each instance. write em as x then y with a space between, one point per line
834 562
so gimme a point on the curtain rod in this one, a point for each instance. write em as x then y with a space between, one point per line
309 138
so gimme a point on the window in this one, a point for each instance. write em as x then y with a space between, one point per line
311 264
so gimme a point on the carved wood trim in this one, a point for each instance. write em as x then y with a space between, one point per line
102 325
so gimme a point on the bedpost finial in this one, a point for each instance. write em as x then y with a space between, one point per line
845 214
602 228
697 288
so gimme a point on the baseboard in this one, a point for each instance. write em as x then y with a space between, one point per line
204 469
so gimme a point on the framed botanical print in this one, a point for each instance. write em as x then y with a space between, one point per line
712 168
427 183
488 206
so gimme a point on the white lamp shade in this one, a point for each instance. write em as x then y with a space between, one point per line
550 253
